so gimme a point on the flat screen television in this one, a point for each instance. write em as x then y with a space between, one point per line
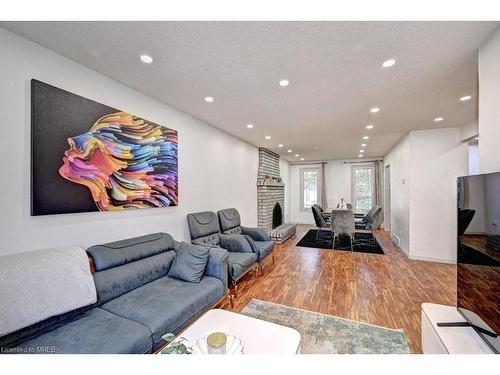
478 255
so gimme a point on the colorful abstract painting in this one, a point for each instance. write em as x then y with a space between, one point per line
90 157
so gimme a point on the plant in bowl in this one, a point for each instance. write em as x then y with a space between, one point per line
176 345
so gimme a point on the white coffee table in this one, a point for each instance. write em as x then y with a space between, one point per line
257 336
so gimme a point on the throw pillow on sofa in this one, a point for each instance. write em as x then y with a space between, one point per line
190 262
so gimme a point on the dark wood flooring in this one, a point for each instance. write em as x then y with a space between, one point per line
385 290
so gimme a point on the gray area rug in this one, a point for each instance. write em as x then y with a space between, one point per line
328 334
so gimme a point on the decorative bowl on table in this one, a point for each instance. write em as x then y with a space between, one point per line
233 346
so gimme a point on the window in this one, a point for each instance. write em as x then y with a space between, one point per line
310 188
363 188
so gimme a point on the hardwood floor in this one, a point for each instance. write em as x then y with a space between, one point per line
385 290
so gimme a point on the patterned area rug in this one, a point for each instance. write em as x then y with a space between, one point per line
344 244
328 334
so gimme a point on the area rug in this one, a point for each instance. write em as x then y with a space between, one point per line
328 334
309 240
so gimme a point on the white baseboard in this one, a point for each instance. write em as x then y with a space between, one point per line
430 259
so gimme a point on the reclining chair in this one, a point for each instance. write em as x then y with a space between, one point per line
205 231
230 223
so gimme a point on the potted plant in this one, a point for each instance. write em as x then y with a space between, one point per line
176 345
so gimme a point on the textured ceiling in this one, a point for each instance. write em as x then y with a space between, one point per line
334 70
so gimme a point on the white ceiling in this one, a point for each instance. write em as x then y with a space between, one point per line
334 70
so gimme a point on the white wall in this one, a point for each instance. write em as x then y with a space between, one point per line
216 170
437 158
474 166
398 159
285 178
489 104
468 131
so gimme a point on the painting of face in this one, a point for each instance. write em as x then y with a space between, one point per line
123 161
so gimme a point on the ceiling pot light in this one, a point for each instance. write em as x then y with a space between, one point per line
296 155
374 109
249 126
465 98
280 145
209 99
438 119
146 59
284 82
366 137
315 149
361 151
360 155
302 159
289 151
363 145
388 63
268 137
369 127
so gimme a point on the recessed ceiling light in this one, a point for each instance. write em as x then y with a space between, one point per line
146 59
360 155
369 127
363 145
366 137
438 119
477 138
289 151
249 126
465 98
280 145
268 137
361 151
296 155
315 149
374 109
302 159
388 63
209 99
284 82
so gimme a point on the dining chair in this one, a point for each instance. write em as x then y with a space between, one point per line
321 223
342 222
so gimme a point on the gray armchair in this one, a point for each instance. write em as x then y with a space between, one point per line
258 238
205 230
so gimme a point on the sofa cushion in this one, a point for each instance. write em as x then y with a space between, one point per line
96 331
240 262
167 304
114 282
190 263
264 247
37 285
114 254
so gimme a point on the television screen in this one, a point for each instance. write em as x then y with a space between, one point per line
478 254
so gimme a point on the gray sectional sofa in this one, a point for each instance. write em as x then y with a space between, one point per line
137 302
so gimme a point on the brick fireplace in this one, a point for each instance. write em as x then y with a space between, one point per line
271 197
